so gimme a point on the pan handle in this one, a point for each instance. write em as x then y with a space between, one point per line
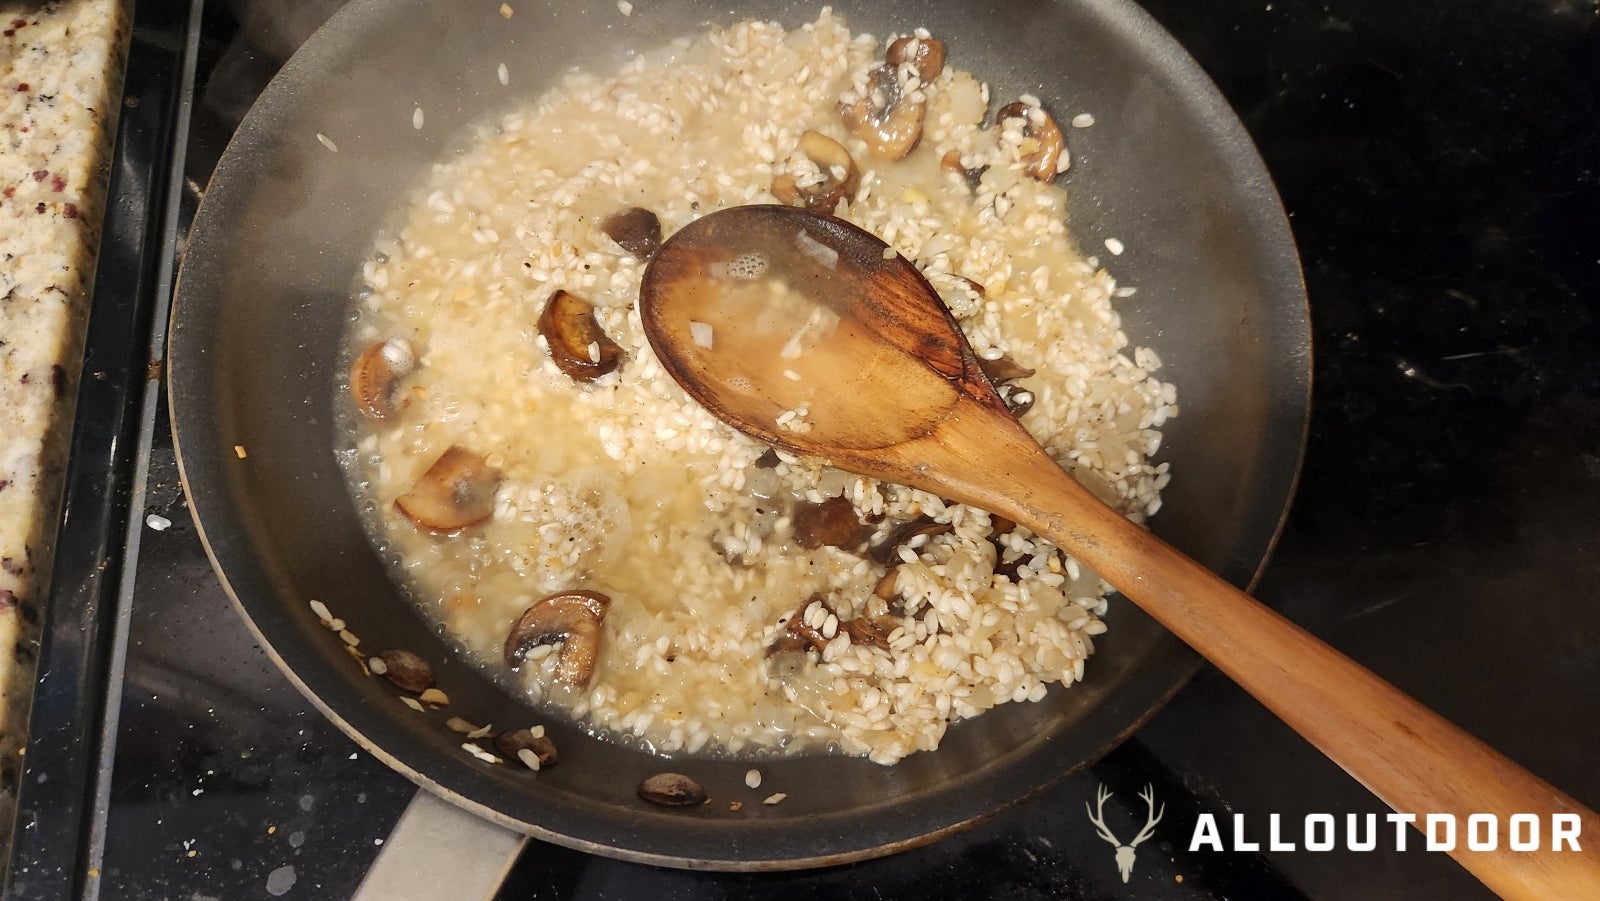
440 852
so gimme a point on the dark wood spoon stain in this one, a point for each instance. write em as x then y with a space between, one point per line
812 335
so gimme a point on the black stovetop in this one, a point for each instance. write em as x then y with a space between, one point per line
1440 162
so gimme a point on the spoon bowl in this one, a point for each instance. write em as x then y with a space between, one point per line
761 302
813 335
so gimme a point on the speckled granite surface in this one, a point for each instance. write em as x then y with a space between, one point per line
60 72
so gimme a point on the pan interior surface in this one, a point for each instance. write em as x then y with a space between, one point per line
329 152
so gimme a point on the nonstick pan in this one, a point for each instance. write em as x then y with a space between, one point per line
265 295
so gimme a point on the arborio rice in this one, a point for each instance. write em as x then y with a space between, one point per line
624 486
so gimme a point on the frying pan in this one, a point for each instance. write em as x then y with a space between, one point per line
264 297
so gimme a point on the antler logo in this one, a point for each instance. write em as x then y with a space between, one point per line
1125 852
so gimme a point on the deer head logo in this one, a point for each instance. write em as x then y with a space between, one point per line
1125 852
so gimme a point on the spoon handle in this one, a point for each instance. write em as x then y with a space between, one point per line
1410 757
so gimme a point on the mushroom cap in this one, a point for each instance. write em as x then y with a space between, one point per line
672 790
1003 369
513 741
457 491
873 631
951 162
1042 162
635 229
927 54
832 522
824 196
571 617
577 343
884 117
374 373
887 551
406 670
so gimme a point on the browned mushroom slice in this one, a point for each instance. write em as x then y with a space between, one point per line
789 644
1004 369
869 630
885 589
572 618
1008 568
515 741
889 121
636 230
672 790
888 550
927 54
1017 400
951 161
405 669
797 635
831 157
578 345
374 373
457 491
999 526
832 522
1041 156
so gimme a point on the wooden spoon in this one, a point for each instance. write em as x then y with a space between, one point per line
812 335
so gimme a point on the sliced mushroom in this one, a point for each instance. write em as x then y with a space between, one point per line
1007 568
889 121
457 491
788 644
1017 400
832 522
951 161
870 630
888 550
885 588
797 635
1041 157
406 670
375 372
636 230
1004 370
517 740
578 345
672 790
927 54
998 526
831 157
1001 373
572 618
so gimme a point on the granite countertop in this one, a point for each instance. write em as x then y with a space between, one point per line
60 68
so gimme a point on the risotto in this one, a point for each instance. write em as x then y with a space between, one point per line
580 526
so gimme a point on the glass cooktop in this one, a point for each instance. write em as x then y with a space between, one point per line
1437 160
